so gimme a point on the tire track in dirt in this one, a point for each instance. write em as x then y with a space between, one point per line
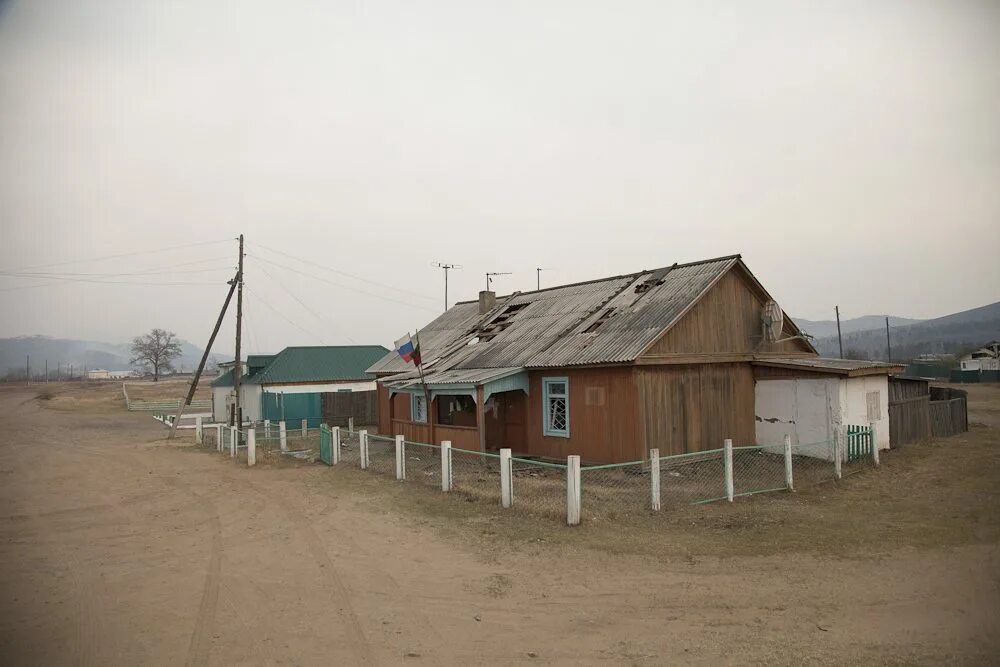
360 645
204 621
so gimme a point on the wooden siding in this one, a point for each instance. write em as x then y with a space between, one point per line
603 416
338 407
909 420
727 319
694 408
461 437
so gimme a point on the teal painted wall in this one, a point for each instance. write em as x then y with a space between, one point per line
293 408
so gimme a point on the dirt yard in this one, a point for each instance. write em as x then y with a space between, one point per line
121 548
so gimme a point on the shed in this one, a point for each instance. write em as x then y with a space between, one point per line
809 399
223 394
291 386
607 369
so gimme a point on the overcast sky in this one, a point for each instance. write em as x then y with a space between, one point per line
850 152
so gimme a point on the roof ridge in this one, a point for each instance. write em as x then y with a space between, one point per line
623 275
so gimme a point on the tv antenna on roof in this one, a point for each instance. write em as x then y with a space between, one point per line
490 274
538 277
446 266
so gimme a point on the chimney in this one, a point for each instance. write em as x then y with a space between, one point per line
487 301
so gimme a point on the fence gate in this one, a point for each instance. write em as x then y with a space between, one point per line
859 443
325 445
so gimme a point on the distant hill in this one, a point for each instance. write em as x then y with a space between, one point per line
80 354
951 334
824 328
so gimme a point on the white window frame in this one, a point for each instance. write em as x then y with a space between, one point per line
414 411
546 406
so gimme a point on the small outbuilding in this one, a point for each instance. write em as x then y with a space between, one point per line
810 398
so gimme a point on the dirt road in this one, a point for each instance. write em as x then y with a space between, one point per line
118 548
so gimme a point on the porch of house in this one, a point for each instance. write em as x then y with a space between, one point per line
482 410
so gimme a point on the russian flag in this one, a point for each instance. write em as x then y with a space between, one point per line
408 350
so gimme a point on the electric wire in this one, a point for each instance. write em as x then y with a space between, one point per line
350 275
335 284
322 320
119 255
282 316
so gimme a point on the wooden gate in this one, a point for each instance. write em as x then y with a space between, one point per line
859 443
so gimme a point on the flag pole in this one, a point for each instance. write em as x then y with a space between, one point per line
423 383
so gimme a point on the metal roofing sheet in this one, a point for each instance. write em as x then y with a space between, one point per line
823 363
473 376
319 364
550 327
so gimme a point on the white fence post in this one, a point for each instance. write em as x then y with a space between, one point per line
305 428
335 444
252 447
198 432
400 457
838 434
788 463
350 425
654 479
282 436
871 427
363 448
446 466
506 481
267 429
234 432
218 437
728 467
573 490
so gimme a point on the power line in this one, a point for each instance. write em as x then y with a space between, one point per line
303 304
350 275
104 282
282 315
125 254
169 268
354 289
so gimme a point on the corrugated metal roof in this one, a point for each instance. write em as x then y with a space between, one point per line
473 376
550 326
320 364
838 366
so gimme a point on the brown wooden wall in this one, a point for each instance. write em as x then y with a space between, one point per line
692 408
603 416
339 406
725 320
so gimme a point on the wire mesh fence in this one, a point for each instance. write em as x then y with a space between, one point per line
758 469
475 475
423 464
697 477
615 490
539 487
607 491
382 455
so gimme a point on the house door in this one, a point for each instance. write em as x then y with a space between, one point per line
505 419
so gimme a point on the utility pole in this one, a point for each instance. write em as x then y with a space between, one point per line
840 339
46 370
238 370
27 370
888 343
204 358
490 274
58 371
446 267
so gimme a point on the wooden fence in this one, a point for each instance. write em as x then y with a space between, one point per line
339 406
941 413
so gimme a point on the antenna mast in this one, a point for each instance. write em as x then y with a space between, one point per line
490 274
446 266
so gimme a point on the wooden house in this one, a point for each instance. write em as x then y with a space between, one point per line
606 369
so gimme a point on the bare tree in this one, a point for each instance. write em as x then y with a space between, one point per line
155 352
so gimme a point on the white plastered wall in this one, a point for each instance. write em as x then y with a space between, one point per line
804 408
854 404
222 397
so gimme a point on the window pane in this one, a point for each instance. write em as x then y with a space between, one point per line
557 414
557 388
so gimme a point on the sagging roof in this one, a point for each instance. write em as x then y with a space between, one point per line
472 376
332 363
848 367
612 320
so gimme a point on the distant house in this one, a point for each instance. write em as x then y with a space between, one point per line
986 358
289 386
99 374
606 369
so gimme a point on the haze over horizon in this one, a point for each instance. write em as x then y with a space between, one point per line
850 153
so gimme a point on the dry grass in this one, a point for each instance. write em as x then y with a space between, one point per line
106 396
940 493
